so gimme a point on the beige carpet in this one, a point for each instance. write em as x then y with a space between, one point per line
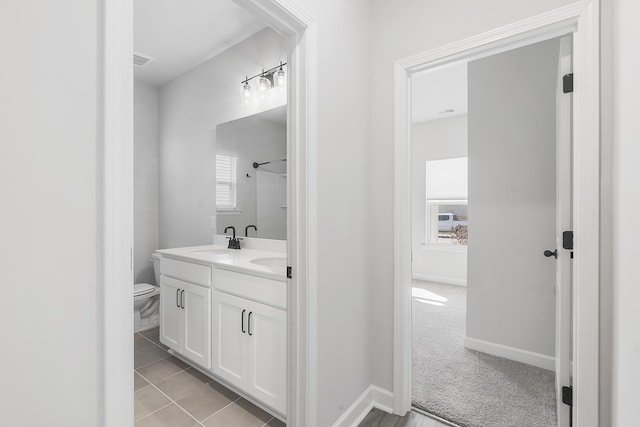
466 387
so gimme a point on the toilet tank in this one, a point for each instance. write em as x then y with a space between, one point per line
156 267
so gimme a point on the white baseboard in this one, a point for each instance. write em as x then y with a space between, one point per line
523 356
373 397
439 279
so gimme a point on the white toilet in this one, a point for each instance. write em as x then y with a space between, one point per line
146 301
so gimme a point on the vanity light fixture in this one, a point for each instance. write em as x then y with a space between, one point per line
273 77
280 80
265 83
246 90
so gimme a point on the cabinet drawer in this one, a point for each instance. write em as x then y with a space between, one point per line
194 273
267 291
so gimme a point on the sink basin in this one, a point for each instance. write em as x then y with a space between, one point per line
271 262
216 252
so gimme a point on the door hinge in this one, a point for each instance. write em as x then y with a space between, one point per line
567 240
567 83
567 395
289 272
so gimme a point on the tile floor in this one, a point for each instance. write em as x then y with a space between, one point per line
170 393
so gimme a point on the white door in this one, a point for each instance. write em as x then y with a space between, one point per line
197 323
519 143
229 330
170 313
563 223
266 335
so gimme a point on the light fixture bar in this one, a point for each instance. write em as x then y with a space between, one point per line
264 72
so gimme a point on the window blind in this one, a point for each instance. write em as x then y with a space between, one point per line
226 182
447 179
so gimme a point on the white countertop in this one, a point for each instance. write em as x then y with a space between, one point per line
234 259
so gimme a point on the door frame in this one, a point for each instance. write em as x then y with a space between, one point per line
581 20
115 207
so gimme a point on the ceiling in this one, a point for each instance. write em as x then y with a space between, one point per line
180 35
435 91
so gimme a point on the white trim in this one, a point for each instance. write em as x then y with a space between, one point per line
582 20
439 279
372 397
116 225
512 353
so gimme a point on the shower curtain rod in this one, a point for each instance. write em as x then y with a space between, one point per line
256 164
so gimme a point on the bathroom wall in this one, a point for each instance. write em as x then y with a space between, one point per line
512 198
435 140
403 29
191 106
145 168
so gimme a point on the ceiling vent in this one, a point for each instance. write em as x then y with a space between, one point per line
141 60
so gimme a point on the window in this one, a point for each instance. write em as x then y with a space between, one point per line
226 180
446 201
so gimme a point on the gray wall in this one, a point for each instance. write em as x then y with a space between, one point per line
50 148
191 106
145 168
626 203
435 140
344 213
512 171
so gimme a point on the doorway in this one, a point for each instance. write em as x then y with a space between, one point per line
484 157
116 200
574 21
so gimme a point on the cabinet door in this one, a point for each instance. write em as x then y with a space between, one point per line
170 313
196 344
229 321
266 338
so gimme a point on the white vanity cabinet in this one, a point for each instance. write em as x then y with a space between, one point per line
229 344
267 355
249 348
185 321
228 321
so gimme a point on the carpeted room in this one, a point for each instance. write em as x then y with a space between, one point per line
484 210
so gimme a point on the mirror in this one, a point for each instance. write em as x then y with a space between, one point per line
251 174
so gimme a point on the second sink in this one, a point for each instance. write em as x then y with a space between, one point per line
272 262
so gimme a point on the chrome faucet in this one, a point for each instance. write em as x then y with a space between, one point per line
234 243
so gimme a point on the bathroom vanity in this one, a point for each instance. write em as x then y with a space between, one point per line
224 311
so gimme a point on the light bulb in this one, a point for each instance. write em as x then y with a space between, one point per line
280 79
264 84
246 90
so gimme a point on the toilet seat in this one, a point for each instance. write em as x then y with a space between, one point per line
141 289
